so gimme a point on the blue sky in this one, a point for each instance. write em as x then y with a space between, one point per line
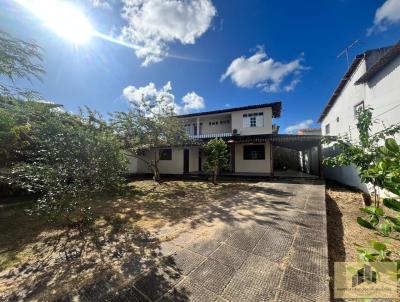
207 54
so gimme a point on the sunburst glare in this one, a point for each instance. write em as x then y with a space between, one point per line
61 17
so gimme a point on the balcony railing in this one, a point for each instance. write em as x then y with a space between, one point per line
211 135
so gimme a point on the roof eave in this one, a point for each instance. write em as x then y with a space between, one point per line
340 87
276 110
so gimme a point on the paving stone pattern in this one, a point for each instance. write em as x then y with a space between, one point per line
271 245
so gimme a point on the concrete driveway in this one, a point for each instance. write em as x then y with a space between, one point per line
266 245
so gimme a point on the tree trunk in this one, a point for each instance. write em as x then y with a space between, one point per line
214 179
156 172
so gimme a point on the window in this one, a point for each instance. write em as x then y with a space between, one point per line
253 122
253 119
187 129
357 108
327 129
165 154
253 152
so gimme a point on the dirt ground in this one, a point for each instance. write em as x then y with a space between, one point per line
343 230
39 260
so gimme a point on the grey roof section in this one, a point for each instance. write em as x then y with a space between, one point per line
276 110
371 58
389 54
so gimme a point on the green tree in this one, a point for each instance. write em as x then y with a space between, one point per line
70 159
387 168
216 152
16 119
147 127
18 59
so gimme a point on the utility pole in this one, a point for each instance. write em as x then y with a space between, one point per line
346 51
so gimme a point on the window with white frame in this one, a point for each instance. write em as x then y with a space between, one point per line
253 120
187 129
327 129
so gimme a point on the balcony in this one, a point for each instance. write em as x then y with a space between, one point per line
211 135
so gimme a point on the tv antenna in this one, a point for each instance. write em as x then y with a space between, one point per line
346 51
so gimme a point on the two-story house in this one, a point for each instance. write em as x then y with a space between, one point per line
248 131
372 80
253 123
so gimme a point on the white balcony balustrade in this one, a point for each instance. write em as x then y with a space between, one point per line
211 135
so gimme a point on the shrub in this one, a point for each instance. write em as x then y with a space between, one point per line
216 152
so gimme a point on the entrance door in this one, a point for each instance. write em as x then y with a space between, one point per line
186 161
200 163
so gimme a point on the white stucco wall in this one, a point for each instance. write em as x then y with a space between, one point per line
237 122
344 107
252 166
206 128
173 166
382 93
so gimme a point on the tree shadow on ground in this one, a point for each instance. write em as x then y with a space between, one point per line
93 267
117 260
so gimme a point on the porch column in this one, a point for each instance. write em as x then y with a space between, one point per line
198 126
271 153
321 171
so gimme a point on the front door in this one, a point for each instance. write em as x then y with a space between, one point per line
186 161
200 163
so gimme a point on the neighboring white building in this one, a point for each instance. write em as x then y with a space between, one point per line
372 80
309 131
248 131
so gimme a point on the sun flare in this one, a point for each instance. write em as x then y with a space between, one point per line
61 17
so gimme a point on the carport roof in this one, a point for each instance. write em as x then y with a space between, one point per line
297 142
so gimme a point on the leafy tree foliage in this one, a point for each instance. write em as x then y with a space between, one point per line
16 120
18 60
147 127
216 152
67 159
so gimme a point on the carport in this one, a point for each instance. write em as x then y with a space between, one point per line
289 150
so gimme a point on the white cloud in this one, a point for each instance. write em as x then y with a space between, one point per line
152 24
150 97
386 15
296 127
102 3
192 101
163 97
261 71
292 85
